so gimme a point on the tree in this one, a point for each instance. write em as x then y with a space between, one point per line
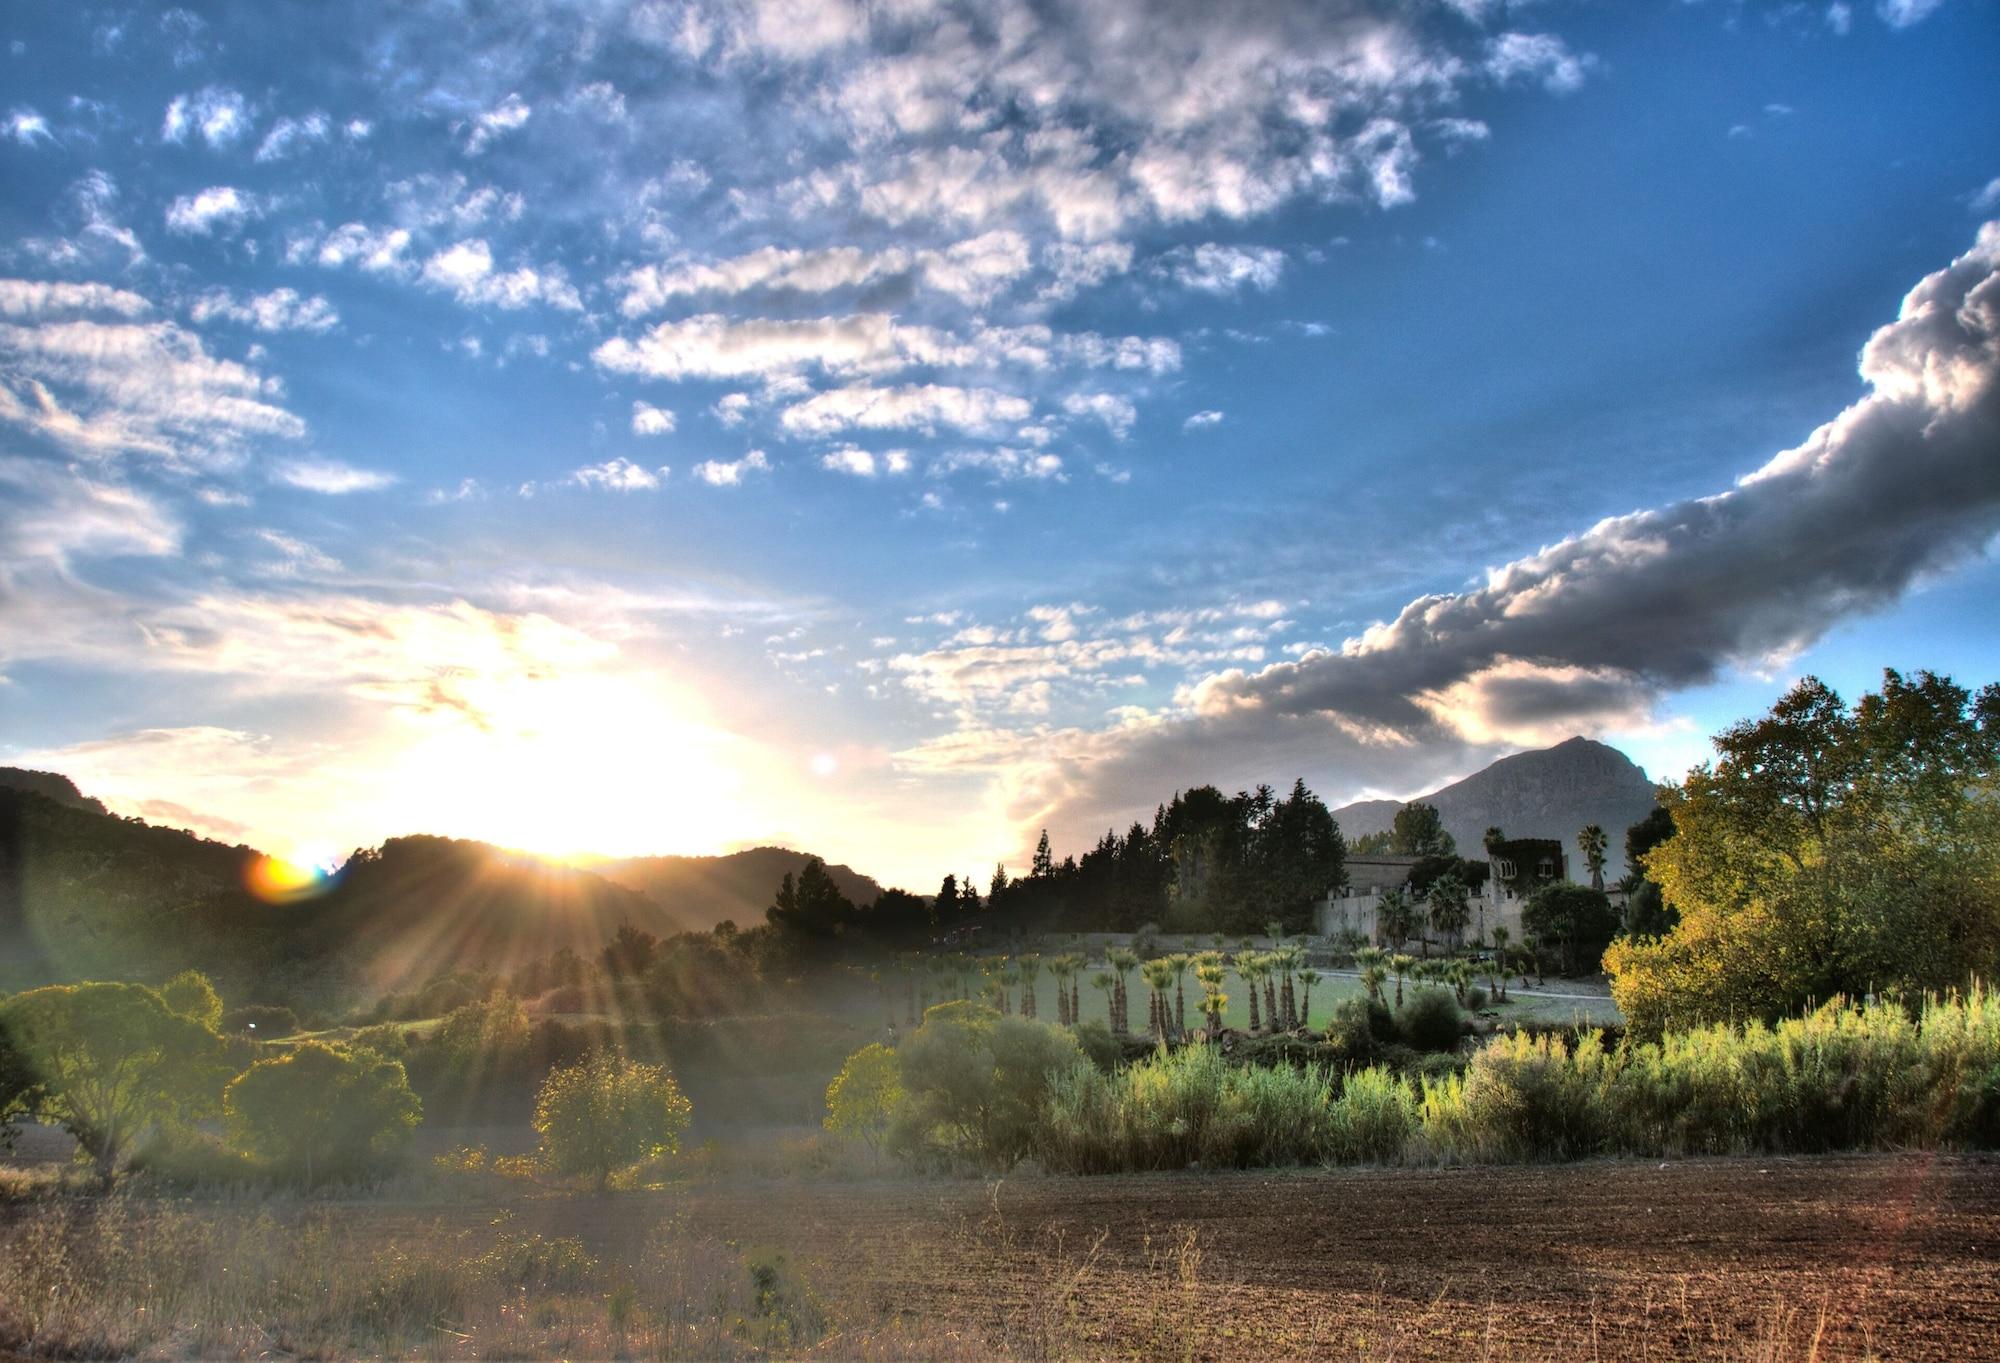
1249 969
1159 976
1643 836
319 1109
863 1096
947 901
1573 921
1450 905
607 1113
1122 961
1418 831
1181 963
1043 865
975 1086
111 1063
1307 979
1400 966
1827 850
1590 841
1031 969
630 952
1397 916
193 997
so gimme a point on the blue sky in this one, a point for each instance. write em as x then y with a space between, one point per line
892 429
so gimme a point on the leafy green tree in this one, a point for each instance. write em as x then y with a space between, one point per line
1590 841
475 1036
1829 849
975 1086
1419 831
1400 966
112 1062
1307 979
1643 836
607 1113
1043 865
193 997
1574 922
319 1110
863 1097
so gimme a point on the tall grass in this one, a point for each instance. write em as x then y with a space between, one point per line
1843 1077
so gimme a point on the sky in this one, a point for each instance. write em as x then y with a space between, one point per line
893 429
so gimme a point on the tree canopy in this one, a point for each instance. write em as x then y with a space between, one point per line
319 1110
1828 849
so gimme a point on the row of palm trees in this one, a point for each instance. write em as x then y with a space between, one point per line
1378 966
1278 983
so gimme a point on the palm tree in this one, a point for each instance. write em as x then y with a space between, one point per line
1208 970
1396 916
1449 908
1030 966
1063 968
1307 979
1122 960
1158 974
1400 965
1107 982
1248 969
1371 961
1591 842
1010 976
1290 958
1181 963
1500 936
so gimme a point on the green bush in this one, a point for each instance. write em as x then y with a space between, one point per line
1357 1027
1099 1045
975 1085
1430 1020
323 1110
608 1113
864 1095
1374 1118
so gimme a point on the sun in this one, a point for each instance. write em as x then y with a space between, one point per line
570 764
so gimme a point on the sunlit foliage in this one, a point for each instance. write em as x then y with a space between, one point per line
607 1113
320 1110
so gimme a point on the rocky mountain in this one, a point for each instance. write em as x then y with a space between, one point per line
703 891
1549 793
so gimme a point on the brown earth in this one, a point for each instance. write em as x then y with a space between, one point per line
1891 1257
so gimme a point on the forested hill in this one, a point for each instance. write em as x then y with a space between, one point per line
87 893
1549 793
737 887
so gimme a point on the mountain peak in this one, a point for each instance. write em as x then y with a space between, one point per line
1542 793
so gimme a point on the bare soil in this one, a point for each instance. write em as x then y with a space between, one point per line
1883 1256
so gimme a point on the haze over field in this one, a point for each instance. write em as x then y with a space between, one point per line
890 430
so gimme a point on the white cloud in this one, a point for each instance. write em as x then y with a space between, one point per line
57 513
278 310
1840 18
27 127
1115 412
729 473
101 388
1904 13
288 135
465 270
376 250
860 463
510 114
731 408
1988 198
650 420
617 475
1200 420
973 271
217 115
1539 57
909 407
1217 269
217 208
331 477
34 298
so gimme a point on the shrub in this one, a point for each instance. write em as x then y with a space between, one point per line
1430 1020
321 1110
975 1085
1102 1048
194 998
1373 1119
1351 1032
608 1113
863 1096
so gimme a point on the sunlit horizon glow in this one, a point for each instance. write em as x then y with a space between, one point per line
675 426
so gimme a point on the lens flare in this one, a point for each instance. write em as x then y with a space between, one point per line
277 881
